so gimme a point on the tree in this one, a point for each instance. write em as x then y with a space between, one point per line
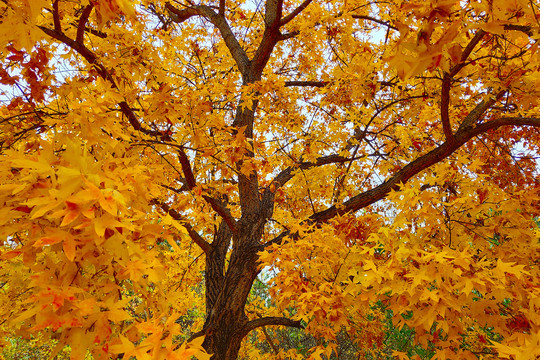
370 157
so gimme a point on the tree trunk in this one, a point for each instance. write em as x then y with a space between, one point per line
227 293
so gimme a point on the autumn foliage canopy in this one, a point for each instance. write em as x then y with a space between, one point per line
208 178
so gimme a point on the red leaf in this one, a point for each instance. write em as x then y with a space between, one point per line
24 209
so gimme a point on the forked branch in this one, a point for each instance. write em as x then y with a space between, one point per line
219 21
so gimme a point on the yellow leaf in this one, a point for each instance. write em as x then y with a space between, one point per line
69 247
108 204
124 347
48 240
400 355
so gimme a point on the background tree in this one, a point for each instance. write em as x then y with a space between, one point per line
374 158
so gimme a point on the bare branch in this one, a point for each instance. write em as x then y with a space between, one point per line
294 13
285 175
238 54
222 7
273 12
270 341
56 17
270 38
186 168
82 23
289 35
179 16
526 29
445 104
318 83
219 21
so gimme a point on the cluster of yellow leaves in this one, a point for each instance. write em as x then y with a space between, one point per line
311 276
455 268
82 258
107 10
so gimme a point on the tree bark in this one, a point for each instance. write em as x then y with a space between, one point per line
227 291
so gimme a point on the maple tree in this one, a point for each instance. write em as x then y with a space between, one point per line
375 162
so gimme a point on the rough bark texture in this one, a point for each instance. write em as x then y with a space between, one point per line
226 293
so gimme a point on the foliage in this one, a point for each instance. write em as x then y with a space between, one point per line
323 178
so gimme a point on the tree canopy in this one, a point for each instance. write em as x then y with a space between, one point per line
187 178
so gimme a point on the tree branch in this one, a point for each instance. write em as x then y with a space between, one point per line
467 52
413 168
132 118
270 341
294 13
381 22
82 24
203 244
56 17
285 175
272 320
479 109
445 104
526 29
179 16
186 169
191 183
270 38
221 7
105 75
307 83
219 21
286 36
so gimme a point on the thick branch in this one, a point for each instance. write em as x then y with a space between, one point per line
82 24
222 7
467 52
222 211
219 21
272 320
191 183
286 36
270 38
285 175
479 110
526 29
445 104
413 168
295 12
179 16
238 54
273 11
56 17
186 169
